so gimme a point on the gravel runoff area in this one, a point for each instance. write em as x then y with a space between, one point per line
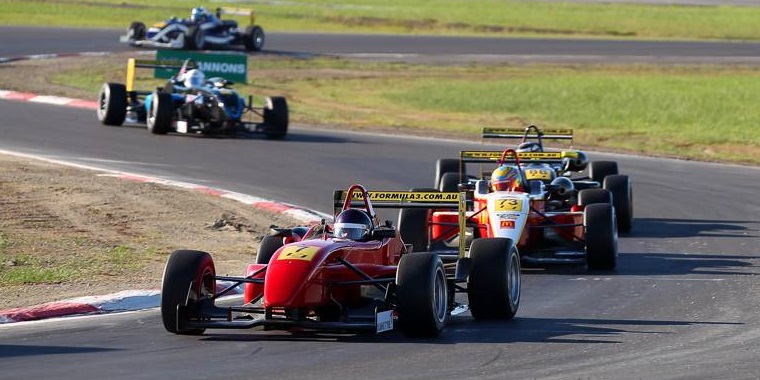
70 232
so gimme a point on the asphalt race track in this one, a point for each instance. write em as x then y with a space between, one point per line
18 41
682 304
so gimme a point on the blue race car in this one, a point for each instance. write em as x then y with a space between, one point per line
202 30
189 103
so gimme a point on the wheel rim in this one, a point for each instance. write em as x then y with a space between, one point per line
152 114
513 279
258 40
206 285
103 103
439 296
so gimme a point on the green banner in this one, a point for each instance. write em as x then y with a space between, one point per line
230 66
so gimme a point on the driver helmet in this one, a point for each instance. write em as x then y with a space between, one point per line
505 177
198 14
353 224
529 147
194 78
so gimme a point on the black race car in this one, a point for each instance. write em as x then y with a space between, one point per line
202 30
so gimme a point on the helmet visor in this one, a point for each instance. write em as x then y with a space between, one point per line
351 231
505 184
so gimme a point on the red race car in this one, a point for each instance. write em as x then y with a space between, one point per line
354 274
567 166
550 222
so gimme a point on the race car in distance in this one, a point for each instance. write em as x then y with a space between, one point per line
550 222
202 30
188 103
352 275
560 163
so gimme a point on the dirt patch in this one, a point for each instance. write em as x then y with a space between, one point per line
68 232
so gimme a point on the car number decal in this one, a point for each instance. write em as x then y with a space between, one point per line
298 253
511 204
538 174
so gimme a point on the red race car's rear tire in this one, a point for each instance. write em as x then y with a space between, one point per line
601 236
443 166
494 283
622 197
421 295
414 225
597 170
591 196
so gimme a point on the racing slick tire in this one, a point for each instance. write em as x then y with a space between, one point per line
601 236
421 295
112 104
254 38
195 39
414 225
159 118
449 182
493 286
276 117
136 31
268 246
622 198
591 196
188 279
443 166
597 170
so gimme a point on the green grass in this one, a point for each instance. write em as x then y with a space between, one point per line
28 269
483 17
651 111
84 259
706 113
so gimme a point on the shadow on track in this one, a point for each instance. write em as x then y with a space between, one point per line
667 264
300 137
16 350
663 264
463 329
675 228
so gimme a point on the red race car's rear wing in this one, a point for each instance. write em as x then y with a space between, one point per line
400 199
404 199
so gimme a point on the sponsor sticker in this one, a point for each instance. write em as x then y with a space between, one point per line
406 196
528 156
544 174
507 224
